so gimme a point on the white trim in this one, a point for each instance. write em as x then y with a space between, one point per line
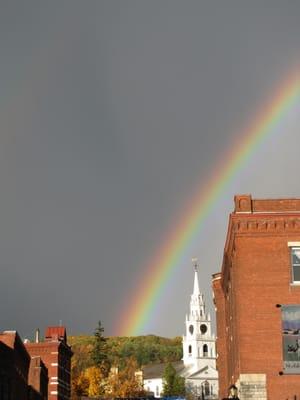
277 212
293 244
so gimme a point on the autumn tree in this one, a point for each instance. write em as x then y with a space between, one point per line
126 382
97 382
80 385
173 384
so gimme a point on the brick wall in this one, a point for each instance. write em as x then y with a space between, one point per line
38 377
255 277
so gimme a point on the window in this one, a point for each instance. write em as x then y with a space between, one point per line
205 350
295 258
203 329
205 389
190 349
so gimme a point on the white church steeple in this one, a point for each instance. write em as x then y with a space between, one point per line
199 342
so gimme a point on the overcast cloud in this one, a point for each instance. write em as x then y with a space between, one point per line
111 114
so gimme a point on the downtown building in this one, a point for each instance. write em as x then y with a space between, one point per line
257 299
37 370
21 377
56 355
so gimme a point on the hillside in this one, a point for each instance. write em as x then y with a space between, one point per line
144 349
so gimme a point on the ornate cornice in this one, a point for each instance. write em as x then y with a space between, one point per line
265 225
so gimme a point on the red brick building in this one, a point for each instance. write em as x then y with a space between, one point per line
257 298
21 377
14 367
56 355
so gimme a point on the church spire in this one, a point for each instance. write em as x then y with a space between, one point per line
196 282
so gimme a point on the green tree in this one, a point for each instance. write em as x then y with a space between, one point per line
173 384
99 352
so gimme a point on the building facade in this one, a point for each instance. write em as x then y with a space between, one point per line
14 367
21 377
56 355
257 299
38 378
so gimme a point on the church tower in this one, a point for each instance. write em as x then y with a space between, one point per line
199 349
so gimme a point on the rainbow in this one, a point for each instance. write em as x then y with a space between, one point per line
160 268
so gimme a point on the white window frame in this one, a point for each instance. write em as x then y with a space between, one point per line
292 246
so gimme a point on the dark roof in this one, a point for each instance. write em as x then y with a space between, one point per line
153 371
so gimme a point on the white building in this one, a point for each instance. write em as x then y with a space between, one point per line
198 365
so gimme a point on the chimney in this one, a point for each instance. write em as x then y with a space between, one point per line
37 336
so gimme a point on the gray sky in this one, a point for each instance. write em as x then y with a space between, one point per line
111 114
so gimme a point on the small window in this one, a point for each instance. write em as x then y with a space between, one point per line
295 258
203 329
190 349
205 351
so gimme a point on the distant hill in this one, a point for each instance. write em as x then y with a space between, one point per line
145 349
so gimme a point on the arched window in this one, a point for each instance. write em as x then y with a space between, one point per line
190 349
205 350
